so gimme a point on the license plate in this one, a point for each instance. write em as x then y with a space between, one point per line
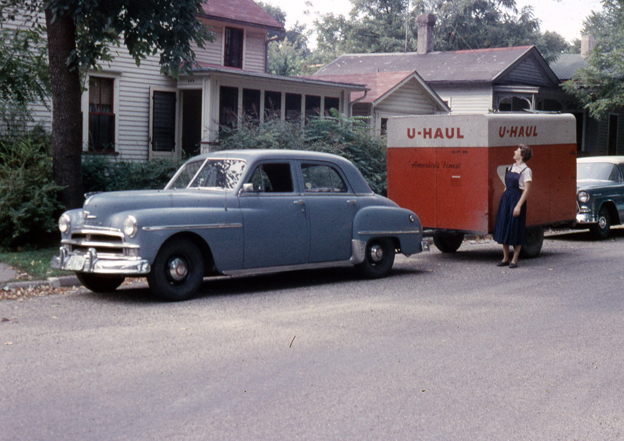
75 263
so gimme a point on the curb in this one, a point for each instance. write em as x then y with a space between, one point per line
54 282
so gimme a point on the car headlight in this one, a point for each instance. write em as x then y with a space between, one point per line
130 226
64 223
583 197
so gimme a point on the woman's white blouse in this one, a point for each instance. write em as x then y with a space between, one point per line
527 176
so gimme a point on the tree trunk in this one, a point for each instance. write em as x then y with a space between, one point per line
66 110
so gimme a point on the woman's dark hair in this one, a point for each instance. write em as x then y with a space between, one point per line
525 152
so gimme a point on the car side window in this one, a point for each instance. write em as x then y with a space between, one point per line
272 178
322 179
615 174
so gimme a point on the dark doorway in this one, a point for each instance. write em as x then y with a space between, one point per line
191 123
613 134
164 124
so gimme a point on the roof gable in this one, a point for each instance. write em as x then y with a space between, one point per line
531 69
381 85
240 11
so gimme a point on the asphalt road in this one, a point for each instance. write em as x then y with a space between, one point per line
450 347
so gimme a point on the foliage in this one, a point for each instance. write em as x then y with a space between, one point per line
284 59
346 137
28 194
100 173
146 28
24 75
599 86
390 26
287 50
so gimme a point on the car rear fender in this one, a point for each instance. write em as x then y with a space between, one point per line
402 225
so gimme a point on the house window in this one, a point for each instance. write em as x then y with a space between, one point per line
272 105
384 126
101 115
331 103
513 104
251 105
312 106
233 47
228 106
293 107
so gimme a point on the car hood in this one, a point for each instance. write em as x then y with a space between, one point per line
591 184
104 205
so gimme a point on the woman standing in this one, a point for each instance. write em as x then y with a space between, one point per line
511 215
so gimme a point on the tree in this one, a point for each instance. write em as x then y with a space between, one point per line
284 59
390 26
600 85
286 50
24 75
80 34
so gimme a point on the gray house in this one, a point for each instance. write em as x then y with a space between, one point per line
595 137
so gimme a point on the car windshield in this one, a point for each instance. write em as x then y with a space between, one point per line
214 174
598 171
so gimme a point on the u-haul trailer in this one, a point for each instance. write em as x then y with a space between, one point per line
450 169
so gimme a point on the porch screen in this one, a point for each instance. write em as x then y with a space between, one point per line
163 131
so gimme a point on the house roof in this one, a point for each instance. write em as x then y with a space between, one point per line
567 64
381 85
210 68
479 65
241 12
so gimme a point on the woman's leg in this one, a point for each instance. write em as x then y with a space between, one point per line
505 253
516 254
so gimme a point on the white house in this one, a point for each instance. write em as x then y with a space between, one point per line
138 113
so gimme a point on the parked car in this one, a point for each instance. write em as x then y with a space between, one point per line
600 193
236 213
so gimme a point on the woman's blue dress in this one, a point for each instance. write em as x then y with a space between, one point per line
509 230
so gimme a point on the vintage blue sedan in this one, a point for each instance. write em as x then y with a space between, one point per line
600 193
237 213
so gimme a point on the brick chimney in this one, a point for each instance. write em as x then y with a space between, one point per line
587 45
425 32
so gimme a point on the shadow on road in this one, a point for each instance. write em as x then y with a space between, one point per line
227 286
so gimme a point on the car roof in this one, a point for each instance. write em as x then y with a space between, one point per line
609 159
354 176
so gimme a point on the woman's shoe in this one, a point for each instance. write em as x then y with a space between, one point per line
513 265
502 263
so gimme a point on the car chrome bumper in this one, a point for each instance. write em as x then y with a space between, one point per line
586 218
90 263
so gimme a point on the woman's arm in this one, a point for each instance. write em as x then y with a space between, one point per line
523 198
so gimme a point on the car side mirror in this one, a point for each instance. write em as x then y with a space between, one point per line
247 188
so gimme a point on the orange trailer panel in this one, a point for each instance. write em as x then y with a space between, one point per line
449 169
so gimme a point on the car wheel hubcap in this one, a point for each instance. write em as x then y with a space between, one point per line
376 253
178 269
602 222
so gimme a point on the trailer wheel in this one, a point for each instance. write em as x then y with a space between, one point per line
448 242
533 240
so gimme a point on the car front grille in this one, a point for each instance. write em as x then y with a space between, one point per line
107 242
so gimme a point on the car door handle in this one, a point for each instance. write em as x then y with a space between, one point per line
299 202
351 201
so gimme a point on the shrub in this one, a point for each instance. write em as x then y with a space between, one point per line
346 137
100 173
28 194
